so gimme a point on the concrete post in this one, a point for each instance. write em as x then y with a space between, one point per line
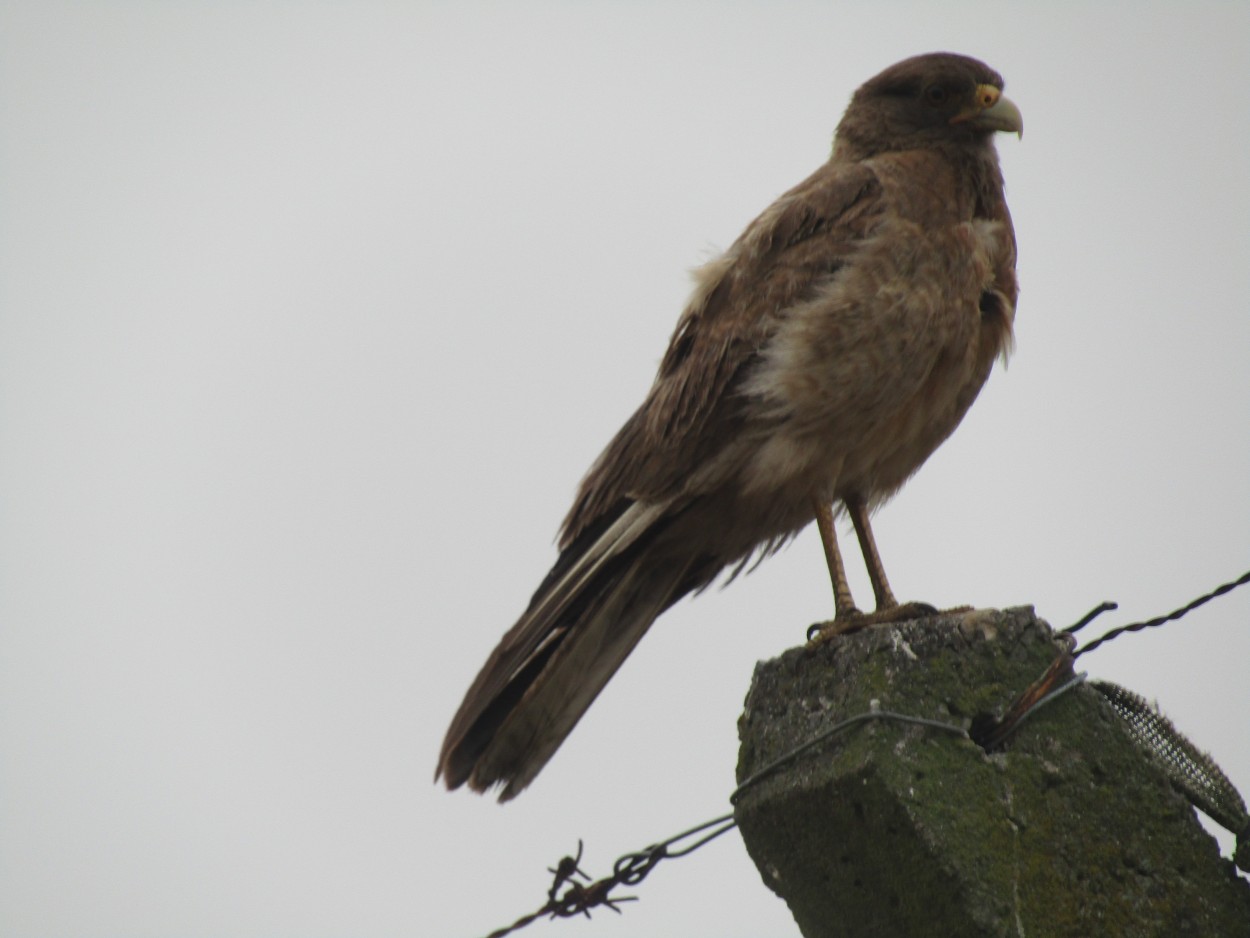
902 830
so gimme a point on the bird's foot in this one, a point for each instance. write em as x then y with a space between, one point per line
843 622
852 620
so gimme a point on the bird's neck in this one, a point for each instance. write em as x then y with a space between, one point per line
980 167
964 182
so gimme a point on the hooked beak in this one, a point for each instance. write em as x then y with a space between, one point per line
989 110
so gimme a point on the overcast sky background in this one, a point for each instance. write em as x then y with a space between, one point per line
313 315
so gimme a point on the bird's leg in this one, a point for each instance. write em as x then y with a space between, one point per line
843 603
858 511
846 618
888 608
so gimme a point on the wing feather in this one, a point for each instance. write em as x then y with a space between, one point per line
739 302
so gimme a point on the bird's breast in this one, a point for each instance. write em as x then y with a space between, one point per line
867 376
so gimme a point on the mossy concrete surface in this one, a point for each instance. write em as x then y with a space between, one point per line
900 830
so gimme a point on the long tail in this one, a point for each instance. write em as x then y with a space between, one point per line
599 599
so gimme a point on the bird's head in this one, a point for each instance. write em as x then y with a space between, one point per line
928 100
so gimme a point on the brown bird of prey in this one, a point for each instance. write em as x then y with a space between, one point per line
818 364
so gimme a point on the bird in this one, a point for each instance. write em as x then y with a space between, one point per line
820 360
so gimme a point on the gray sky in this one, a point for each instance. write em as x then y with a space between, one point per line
312 316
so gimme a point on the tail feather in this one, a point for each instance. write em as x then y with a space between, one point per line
584 663
600 598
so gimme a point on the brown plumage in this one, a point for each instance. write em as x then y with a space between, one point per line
821 360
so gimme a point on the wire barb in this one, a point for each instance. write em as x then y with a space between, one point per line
564 872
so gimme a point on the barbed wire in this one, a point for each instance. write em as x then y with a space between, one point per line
628 870
581 894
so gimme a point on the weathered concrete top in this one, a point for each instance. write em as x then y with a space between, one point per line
893 829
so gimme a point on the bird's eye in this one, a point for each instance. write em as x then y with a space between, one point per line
935 94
